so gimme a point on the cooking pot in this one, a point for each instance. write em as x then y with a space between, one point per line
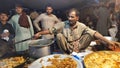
41 47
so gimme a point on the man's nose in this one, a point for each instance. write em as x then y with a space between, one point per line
69 18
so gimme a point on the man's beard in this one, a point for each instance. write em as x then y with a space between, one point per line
72 23
48 13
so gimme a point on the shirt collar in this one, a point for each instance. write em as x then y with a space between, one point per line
75 26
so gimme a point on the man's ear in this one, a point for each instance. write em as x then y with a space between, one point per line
8 16
77 18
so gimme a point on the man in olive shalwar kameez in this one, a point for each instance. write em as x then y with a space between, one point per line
73 35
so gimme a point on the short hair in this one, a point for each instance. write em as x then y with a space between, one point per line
74 10
4 12
19 5
49 5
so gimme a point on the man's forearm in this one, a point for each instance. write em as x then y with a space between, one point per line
37 26
100 37
44 32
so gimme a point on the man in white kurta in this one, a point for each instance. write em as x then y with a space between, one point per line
21 33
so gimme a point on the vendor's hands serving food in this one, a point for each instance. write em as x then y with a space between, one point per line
112 45
115 47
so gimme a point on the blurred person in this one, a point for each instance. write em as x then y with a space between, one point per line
47 21
7 32
103 16
72 35
118 28
23 28
95 16
113 29
88 22
33 15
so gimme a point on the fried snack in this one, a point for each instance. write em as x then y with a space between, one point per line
11 62
58 62
102 59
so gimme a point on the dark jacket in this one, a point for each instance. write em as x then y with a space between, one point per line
8 27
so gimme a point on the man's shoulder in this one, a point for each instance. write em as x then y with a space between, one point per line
80 23
8 24
54 15
43 14
66 22
14 16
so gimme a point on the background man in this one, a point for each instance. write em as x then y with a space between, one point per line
7 34
47 20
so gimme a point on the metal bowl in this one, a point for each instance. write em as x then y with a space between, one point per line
40 48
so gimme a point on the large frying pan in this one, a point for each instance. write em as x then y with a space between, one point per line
5 48
5 52
14 54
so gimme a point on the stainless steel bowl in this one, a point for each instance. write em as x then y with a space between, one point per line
41 47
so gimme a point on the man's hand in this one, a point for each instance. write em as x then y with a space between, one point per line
5 34
76 45
44 32
37 35
115 46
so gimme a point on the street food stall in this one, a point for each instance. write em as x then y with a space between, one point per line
100 58
40 55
